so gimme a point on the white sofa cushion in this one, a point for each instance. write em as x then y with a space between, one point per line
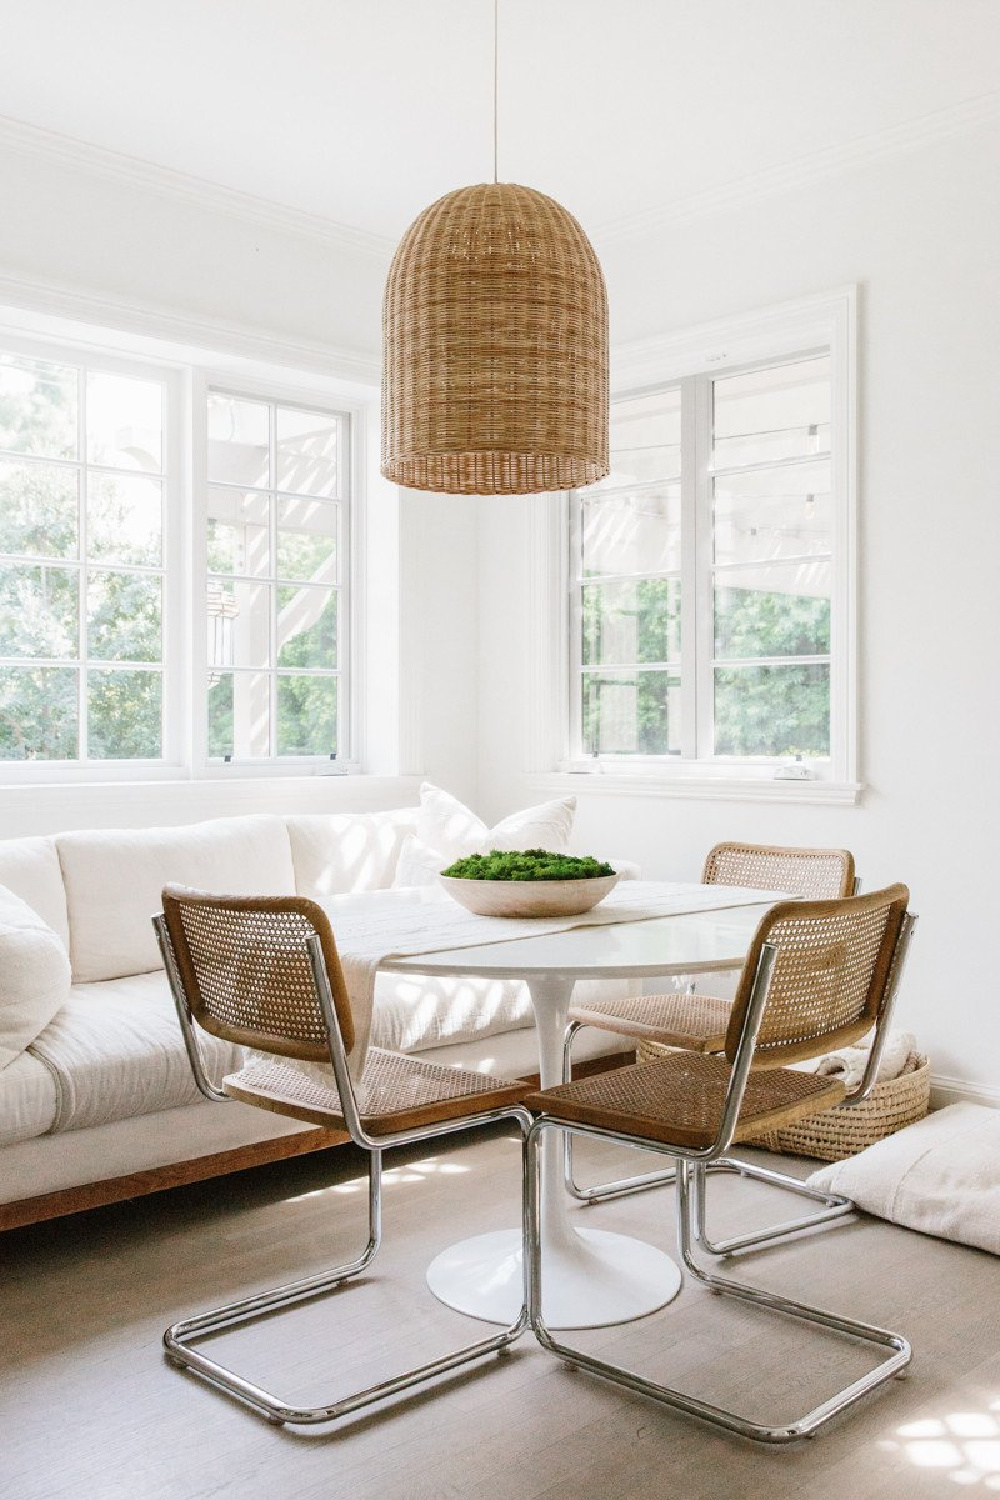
34 975
27 1100
334 853
116 1051
114 878
447 830
30 868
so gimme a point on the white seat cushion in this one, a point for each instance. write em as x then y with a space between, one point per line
30 868
113 882
27 1100
34 975
116 1051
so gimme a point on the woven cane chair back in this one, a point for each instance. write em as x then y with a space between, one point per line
816 874
246 972
833 964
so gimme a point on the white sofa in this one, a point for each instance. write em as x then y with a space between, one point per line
101 1105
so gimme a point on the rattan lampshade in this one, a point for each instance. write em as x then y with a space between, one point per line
495 348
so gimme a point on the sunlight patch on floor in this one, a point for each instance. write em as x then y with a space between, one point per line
966 1444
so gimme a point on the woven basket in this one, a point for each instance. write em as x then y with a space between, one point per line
843 1131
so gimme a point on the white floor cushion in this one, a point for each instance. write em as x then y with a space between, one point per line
941 1176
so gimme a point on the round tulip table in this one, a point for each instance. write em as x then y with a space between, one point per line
590 1277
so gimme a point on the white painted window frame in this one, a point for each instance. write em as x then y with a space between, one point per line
353 412
172 623
827 321
187 372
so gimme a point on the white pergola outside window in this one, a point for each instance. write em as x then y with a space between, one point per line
711 621
278 561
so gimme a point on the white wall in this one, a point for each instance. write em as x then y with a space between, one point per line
919 232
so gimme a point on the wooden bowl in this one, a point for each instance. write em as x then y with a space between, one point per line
529 898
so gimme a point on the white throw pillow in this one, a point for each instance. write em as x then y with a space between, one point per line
34 975
447 830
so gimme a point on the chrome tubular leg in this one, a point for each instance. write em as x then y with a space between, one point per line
834 1207
690 1183
178 1341
603 1191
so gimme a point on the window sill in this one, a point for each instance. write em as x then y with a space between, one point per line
696 784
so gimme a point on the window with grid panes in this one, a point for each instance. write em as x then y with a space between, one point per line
277 548
702 572
82 473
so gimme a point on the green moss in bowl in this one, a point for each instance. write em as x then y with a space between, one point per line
528 864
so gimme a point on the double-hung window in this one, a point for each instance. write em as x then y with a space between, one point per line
711 576
83 471
277 555
175 566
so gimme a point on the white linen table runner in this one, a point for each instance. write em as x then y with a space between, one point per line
374 926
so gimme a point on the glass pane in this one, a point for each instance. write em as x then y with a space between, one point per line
39 509
307 627
124 715
307 540
39 610
38 407
773 513
124 422
124 519
632 622
307 715
778 610
239 715
631 713
307 451
239 623
238 532
123 617
772 710
645 439
239 436
638 533
780 412
38 713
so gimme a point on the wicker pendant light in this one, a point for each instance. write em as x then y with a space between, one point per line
495 348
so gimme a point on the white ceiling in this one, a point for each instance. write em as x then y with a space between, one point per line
362 111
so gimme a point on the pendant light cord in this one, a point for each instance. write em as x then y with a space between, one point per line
496 5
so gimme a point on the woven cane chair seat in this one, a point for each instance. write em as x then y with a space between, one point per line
680 1099
396 1093
695 1021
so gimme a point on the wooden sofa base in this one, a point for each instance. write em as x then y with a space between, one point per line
200 1168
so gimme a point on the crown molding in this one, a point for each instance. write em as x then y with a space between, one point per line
818 166
51 145
47 299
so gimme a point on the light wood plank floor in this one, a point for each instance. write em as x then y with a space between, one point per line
89 1410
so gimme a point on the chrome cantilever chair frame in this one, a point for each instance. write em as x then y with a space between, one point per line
179 1339
834 1205
692 1164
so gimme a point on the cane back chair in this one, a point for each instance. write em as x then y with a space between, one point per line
697 1022
264 972
818 973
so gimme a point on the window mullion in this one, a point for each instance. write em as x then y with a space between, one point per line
83 485
689 573
704 632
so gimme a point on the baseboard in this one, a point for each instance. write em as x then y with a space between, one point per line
956 1091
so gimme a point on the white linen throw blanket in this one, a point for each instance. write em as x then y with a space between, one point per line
372 927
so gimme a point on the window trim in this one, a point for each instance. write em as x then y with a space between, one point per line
187 373
824 321
93 357
280 391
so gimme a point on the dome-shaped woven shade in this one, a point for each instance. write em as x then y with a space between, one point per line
495 348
